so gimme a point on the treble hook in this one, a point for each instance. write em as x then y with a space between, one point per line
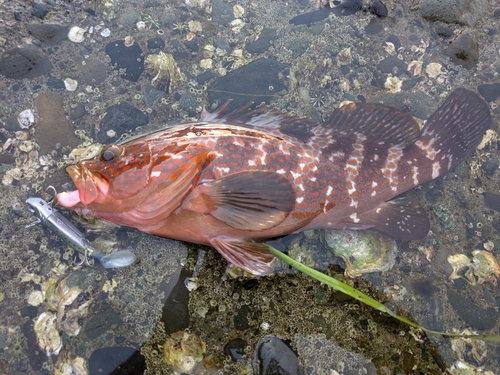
50 187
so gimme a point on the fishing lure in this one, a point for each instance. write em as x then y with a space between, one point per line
53 219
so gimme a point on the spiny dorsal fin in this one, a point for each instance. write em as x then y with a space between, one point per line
371 124
261 118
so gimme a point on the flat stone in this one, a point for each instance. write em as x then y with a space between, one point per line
121 118
492 201
53 126
462 12
222 12
257 81
473 315
393 65
464 50
50 34
128 58
39 10
26 62
263 42
94 72
489 91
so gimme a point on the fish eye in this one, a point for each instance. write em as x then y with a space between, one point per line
111 153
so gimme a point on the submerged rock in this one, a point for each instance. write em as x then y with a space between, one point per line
273 356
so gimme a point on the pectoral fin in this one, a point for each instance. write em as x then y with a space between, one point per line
253 257
253 200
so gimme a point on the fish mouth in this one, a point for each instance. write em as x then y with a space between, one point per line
91 187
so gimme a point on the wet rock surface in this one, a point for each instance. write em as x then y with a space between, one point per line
489 91
119 119
474 315
49 34
128 58
273 356
462 12
26 62
464 50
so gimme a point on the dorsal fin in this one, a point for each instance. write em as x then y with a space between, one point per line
261 118
371 124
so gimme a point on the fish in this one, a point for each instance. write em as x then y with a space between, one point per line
53 219
238 177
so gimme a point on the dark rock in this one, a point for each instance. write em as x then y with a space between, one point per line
496 13
94 72
101 322
374 27
154 43
121 118
36 357
106 360
392 65
235 349
188 103
241 318
17 16
222 12
128 58
492 201
29 311
223 43
443 31
377 8
152 95
489 91
257 81
491 31
394 40
489 168
55 83
48 33
462 12
192 44
39 10
308 18
205 76
175 314
26 62
263 42
273 356
78 112
464 50
12 124
474 315
347 7
178 50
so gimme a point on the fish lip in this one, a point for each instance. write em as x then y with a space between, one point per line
90 186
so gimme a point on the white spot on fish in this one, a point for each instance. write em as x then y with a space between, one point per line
354 203
374 184
281 171
354 217
302 165
295 175
378 210
329 191
252 163
299 199
224 170
436 167
373 193
155 174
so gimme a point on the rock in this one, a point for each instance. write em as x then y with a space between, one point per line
78 112
308 18
188 103
489 167
154 43
94 72
298 46
128 58
235 349
50 34
489 91
55 83
392 65
107 360
263 42
256 81
443 31
152 95
474 315
222 12
26 62
102 321
39 10
462 12
273 356
492 201
464 50
377 8
496 13
347 7
374 27
53 126
120 118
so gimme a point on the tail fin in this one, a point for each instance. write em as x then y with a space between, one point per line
454 130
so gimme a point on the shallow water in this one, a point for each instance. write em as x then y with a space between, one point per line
309 71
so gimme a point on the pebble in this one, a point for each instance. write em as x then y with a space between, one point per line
107 360
154 43
235 349
496 13
53 126
392 65
55 83
49 34
308 18
152 95
443 31
39 10
121 118
489 167
26 62
474 315
222 12
263 42
462 12
377 8
492 201
347 7
251 82
374 27
273 356
78 112
489 91
188 103
94 72
128 58
464 50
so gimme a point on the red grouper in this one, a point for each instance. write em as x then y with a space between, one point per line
236 178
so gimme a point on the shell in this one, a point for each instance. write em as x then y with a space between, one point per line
345 56
459 263
393 84
47 333
486 267
26 118
163 68
206 63
433 70
415 67
76 34
182 350
70 84
363 252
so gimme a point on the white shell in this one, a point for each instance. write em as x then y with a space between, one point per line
70 84
26 118
106 32
76 34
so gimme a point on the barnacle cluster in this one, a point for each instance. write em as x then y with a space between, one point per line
163 70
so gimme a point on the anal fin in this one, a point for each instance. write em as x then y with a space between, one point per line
251 256
400 218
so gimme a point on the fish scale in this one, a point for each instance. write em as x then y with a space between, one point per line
236 178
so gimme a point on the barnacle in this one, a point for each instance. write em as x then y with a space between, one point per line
163 68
